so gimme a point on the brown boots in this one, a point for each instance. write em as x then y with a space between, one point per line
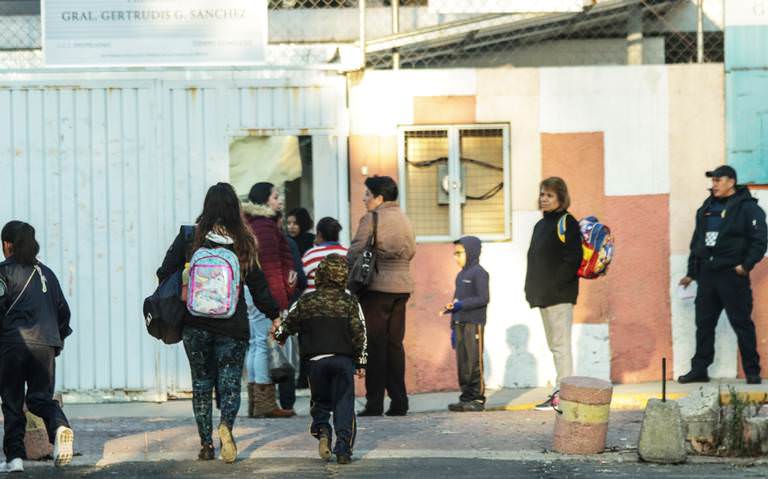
262 402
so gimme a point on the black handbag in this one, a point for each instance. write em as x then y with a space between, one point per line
363 270
164 311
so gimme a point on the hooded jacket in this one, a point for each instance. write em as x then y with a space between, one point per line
553 261
41 315
741 239
472 290
237 326
329 320
274 253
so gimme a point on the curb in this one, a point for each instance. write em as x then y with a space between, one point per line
629 402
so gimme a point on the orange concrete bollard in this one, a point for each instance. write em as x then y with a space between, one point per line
36 441
582 426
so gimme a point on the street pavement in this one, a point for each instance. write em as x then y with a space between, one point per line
160 440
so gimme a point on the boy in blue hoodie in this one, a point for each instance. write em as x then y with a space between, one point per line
468 311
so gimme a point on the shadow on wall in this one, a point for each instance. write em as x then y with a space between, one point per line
521 369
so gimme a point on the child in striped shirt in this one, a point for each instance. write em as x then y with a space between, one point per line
326 243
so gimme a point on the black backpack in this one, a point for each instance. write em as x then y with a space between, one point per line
164 311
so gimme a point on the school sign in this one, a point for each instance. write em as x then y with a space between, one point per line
110 33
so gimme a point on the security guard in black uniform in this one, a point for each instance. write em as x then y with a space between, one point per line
729 240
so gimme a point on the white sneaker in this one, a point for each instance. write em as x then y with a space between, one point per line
63 446
16 465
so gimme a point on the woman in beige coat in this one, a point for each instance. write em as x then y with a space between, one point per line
385 300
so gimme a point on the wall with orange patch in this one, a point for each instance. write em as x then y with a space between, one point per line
632 145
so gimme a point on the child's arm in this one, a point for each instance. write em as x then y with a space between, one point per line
359 336
290 325
481 298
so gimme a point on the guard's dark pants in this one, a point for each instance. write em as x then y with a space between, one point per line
469 359
385 324
332 384
727 290
34 366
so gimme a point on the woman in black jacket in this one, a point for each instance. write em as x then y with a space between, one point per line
34 319
222 342
551 282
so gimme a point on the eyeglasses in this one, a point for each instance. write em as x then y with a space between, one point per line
459 253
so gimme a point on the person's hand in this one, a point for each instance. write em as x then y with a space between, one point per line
361 373
447 309
275 325
292 278
741 270
686 281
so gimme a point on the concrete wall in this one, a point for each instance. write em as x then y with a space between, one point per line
632 143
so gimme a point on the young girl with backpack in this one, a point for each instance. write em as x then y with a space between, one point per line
34 321
218 340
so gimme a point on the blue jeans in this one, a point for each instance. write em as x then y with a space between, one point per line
257 362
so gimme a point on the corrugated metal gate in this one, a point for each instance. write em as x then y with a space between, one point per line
108 169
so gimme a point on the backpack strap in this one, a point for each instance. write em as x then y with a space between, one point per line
561 226
26 285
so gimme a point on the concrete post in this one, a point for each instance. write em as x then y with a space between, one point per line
585 404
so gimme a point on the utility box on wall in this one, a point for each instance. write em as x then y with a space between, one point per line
746 89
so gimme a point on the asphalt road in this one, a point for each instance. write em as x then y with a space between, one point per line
422 468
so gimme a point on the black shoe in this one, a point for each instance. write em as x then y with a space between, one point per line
754 379
467 406
396 412
456 407
343 458
207 453
368 413
693 377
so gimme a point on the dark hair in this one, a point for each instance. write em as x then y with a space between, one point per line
22 237
222 214
329 229
302 219
260 193
557 186
383 186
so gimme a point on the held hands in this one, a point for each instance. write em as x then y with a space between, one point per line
273 329
686 281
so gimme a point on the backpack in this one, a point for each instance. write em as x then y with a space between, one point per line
164 312
214 283
596 243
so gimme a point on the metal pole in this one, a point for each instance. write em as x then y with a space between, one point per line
361 6
395 30
700 33
663 379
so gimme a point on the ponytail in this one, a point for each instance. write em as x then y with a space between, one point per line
21 236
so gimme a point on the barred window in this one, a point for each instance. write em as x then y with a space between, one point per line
454 180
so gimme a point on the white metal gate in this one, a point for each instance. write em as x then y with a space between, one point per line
107 170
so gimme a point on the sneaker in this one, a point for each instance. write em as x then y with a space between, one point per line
228 446
16 465
63 446
207 453
552 402
343 458
694 376
754 379
324 447
467 406
455 407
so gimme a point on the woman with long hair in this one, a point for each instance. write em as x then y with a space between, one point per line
551 282
34 321
261 213
216 347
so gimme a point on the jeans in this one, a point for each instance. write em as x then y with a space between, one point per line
257 362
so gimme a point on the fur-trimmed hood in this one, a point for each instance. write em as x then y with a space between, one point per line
253 209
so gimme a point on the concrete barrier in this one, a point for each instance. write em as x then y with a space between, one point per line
582 426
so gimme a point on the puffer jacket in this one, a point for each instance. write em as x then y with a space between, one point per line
395 248
274 253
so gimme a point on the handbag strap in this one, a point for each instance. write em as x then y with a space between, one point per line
372 239
26 285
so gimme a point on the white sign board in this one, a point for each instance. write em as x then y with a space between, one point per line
508 6
154 32
743 13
